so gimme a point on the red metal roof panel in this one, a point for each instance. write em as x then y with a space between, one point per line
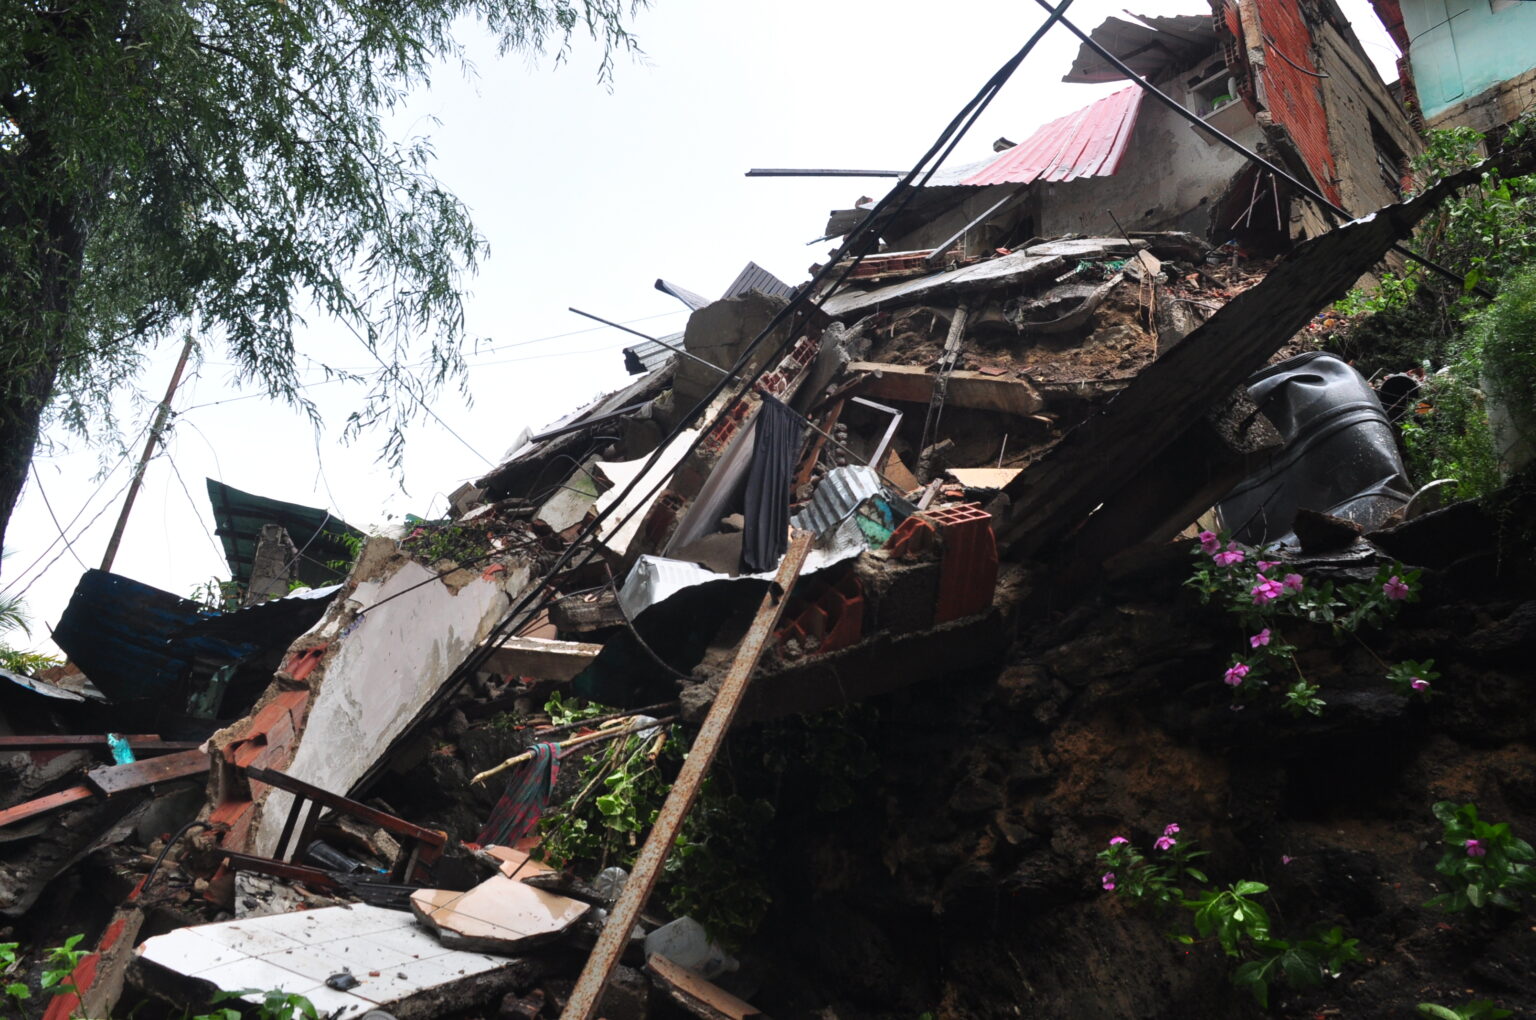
1088 143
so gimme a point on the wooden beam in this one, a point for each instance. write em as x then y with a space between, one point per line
541 658
914 384
42 805
114 779
588 993
347 806
145 743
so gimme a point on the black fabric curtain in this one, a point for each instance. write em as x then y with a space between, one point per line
765 536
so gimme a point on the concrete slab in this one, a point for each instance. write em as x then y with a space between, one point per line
500 915
541 658
398 966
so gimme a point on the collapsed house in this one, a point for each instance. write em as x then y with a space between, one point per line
1062 358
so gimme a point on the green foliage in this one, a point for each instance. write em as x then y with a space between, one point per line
1231 918
1132 875
275 1004
1413 677
1478 1009
1262 595
1301 698
221 166
1487 229
714 872
1505 336
563 713
1484 863
1448 436
432 541
1301 964
13 616
223 596
58 964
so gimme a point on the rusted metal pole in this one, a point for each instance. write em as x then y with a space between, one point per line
161 414
588 993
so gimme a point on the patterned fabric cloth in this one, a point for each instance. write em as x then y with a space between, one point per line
517 813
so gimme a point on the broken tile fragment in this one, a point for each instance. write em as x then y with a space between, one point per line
500 915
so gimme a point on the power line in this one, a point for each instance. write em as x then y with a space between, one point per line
54 517
218 549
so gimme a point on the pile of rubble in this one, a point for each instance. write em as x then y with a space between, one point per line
812 496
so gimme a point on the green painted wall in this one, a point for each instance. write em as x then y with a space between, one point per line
1460 48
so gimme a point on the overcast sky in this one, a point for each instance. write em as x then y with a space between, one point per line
586 196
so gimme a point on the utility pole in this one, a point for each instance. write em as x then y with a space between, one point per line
161 414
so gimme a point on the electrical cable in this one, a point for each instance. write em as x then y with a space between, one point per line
38 479
218 549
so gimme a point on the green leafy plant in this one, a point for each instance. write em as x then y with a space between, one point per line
276 1004
1263 594
13 616
714 872
432 541
1484 863
563 713
1231 918
60 963
1478 1009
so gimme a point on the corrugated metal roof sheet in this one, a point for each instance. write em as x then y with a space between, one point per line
755 277
648 355
238 517
838 495
1147 45
687 297
1087 143
136 641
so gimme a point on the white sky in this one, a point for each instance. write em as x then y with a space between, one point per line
586 196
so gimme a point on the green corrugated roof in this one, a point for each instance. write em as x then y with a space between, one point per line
239 516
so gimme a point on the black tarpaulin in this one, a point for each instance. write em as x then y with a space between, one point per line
765 535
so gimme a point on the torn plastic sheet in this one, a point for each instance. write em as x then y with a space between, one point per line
655 579
620 528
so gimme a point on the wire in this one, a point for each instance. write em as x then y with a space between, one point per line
127 452
218 549
54 517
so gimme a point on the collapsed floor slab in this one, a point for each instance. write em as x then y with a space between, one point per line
397 966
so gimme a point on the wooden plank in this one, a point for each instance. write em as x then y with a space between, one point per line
595 974
147 743
914 384
541 658
691 991
113 779
42 805
346 805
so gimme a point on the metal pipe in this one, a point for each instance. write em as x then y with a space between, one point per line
588 993
654 340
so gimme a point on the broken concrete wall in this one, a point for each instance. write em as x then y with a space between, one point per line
1168 181
1363 121
962 210
370 666
718 333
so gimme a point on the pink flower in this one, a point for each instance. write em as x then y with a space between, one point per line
1395 588
1209 543
1286 858
1268 564
1117 840
1234 676
1419 684
1260 639
1108 880
1231 556
1475 848
1266 590
1166 843
1171 829
1292 582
